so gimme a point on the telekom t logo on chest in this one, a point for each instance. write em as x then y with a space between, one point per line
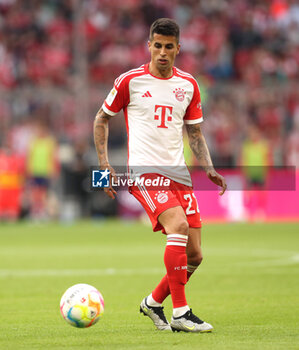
164 113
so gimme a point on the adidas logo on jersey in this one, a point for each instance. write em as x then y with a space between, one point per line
147 94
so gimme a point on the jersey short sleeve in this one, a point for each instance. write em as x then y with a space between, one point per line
193 113
118 97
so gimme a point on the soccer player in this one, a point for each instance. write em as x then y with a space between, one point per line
158 99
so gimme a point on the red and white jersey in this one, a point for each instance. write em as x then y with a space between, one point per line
155 110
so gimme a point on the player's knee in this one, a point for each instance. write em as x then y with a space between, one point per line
182 227
178 226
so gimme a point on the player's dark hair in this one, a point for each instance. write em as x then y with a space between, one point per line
165 26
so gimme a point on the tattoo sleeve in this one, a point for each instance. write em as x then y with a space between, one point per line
199 146
100 135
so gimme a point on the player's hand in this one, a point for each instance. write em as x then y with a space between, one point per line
110 191
217 179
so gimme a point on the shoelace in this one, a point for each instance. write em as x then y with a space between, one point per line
190 316
159 311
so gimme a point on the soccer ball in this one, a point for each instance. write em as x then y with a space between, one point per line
82 305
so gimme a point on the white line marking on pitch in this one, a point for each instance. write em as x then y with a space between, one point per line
291 260
78 272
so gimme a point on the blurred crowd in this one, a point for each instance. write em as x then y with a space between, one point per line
59 58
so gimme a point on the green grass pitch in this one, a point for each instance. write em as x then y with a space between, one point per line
247 286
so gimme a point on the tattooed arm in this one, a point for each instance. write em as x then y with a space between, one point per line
100 134
200 149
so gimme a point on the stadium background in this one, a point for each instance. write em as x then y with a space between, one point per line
58 60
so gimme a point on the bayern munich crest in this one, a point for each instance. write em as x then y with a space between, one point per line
179 94
161 197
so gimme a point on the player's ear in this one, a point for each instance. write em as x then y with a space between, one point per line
178 49
149 45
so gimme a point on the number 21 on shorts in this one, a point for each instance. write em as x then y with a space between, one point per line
190 198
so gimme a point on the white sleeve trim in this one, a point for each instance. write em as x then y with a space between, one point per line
194 121
106 110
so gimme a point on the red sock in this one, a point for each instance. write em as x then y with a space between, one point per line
175 260
161 292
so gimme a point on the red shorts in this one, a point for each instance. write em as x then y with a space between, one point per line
157 200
